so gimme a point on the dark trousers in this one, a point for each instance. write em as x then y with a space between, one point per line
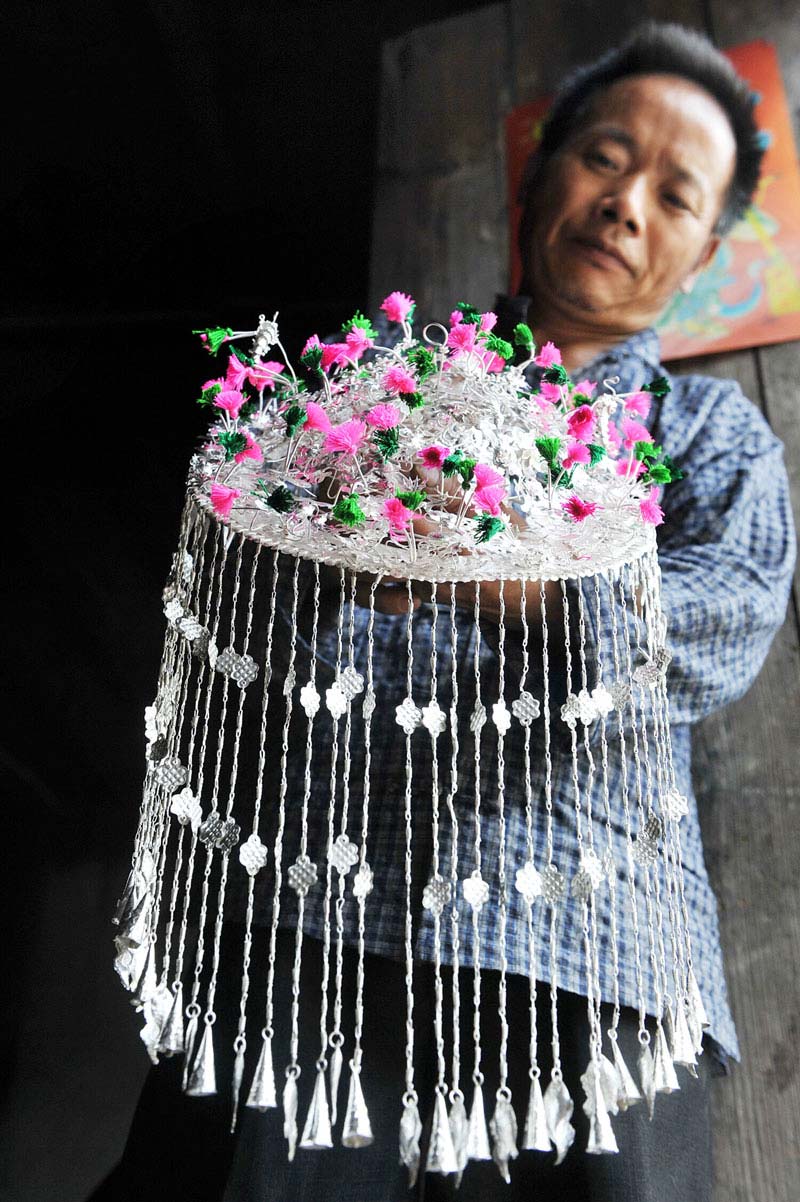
180 1149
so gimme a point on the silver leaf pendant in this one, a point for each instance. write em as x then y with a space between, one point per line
262 1095
558 1107
609 1081
664 1075
601 1136
336 1073
441 1153
410 1131
171 1042
356 1129
236 1085
290 1114
627 1091
503 1129
317 1129
535 1136
478 1147
459 1129
646 1078
203 1078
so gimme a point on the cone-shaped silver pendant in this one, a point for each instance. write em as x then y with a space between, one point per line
356 1129
683 1047
203 1078
441 1153
478 1147
126 903
171 1042
459 1130
646 1078
188 1045
236 1086
134 932
558 1108
696 1001
664 1075
535 1137
410 1131
503 1130
262 1095
668 1024
148 981
290 1114
335 1071
317 1129
627 1090
601 1135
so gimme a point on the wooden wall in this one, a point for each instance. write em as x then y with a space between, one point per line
440 232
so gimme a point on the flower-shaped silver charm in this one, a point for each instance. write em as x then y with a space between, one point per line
407 715
228 835
478 717
201 646
652 671
475 890
173 610
526 708
602 699
434 719
336 701
152 726
309 699
501 716
645 845
587 707
553 885
588 877
226 661
362 881
571 711
436 894
343 854
528 882
190 628
302 875
620 694
210 829
244 671
253 855
368 706
674 804
171 774
186 808
350 682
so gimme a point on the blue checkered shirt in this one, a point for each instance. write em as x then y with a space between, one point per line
726 551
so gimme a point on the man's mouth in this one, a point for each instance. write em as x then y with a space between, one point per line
605 252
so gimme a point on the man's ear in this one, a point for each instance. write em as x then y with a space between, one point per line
706 255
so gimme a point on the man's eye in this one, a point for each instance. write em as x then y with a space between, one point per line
675 200
597 156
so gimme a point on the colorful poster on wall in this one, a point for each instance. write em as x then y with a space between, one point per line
750 293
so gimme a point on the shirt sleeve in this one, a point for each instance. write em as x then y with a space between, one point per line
726 555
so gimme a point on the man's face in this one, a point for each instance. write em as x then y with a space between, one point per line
625 212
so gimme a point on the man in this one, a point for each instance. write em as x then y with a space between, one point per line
647 159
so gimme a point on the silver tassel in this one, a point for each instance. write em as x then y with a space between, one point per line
601 1134
503 1128
336 1073
664 1075
410 1131
317 1129
683 1048
171 1042
290 1114
459 1130
627 1091
441 1153
262 1095
558 1108
478 1133
203 1078
356 1129
236 1085
646 1078
535 1137
188 1045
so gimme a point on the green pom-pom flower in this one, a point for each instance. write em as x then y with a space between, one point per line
596 451
232 442
580 398
280 499
414 400
459 464
242 356
312 359
207 395
348 511
387 442
359 322
548 448
214 337
487 527
556 374
422 360
523 337
499 346
470 315
412 500
294 418
659 387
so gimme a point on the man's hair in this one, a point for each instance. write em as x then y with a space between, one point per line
657 48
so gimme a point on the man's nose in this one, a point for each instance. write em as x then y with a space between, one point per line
626 205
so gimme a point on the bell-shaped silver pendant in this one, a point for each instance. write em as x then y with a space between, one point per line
356 1129
441 1153
601 1135
459 1130
683 1046
171 1042
478 1146
627 1090
410 1131
647 1079
335 1071
203 1078
262 1095
290 1114
535 1137
317 1129
134 932
503 1130
236 1082
664 1075
188 1048
558 1107
148 981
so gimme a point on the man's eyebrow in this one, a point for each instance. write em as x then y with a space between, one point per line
625 139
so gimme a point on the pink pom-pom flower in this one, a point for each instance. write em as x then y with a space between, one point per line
433 457
334 353
633 432
548 355
639 403
357 341
651 511
630 467
585 387
489 498
317 418
462 337
222 499
398 515
580 422
236 374
251 451
397 379
486 476
263 375
346 438
549 392
456 317
397 306
577 452
577 509
384 417
231 400
488 321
